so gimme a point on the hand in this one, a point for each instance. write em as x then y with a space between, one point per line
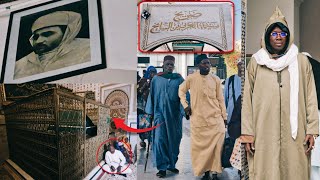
112 168
188 112
249 143
250 148
225 122
309 141
119 169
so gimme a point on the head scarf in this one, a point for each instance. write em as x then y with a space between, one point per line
149 69
71 20
277 19
267 37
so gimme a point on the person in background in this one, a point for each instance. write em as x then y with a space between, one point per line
232 90
125 149
138 76
315 154
143 92
144 83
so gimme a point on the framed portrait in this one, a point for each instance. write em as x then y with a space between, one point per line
54 40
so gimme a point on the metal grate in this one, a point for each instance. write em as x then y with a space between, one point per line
47 136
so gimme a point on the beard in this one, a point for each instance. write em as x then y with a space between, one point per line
41 49
204 70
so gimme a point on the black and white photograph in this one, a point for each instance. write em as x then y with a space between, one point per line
54 40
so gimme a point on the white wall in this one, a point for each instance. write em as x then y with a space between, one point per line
258 14
120 30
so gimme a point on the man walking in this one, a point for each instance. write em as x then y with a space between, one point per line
208 114
164 106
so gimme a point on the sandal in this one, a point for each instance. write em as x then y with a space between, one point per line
161 174
174 170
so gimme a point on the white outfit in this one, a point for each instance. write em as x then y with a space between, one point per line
116 159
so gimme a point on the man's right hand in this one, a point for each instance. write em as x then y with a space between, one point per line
112 168
188 112
248 140
250 148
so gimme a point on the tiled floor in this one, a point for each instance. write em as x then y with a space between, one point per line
183 164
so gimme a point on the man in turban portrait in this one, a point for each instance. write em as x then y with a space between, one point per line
54 44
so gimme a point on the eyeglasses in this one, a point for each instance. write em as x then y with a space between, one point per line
282 34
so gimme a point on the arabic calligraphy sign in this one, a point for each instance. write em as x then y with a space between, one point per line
210 23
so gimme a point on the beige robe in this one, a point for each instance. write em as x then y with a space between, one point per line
265 115
207 125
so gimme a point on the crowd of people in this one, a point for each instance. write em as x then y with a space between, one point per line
164 98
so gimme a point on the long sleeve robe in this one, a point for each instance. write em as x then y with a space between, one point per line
266 116
207 121
164 104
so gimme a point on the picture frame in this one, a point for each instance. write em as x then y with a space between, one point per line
76 45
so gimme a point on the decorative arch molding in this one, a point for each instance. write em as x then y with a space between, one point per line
118 101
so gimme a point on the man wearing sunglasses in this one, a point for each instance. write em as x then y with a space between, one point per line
54 44
208 117
279 109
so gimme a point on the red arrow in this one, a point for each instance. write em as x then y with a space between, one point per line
121 125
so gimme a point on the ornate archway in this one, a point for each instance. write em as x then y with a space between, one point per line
118 101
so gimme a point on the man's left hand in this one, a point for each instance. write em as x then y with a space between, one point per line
309 141
119 169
